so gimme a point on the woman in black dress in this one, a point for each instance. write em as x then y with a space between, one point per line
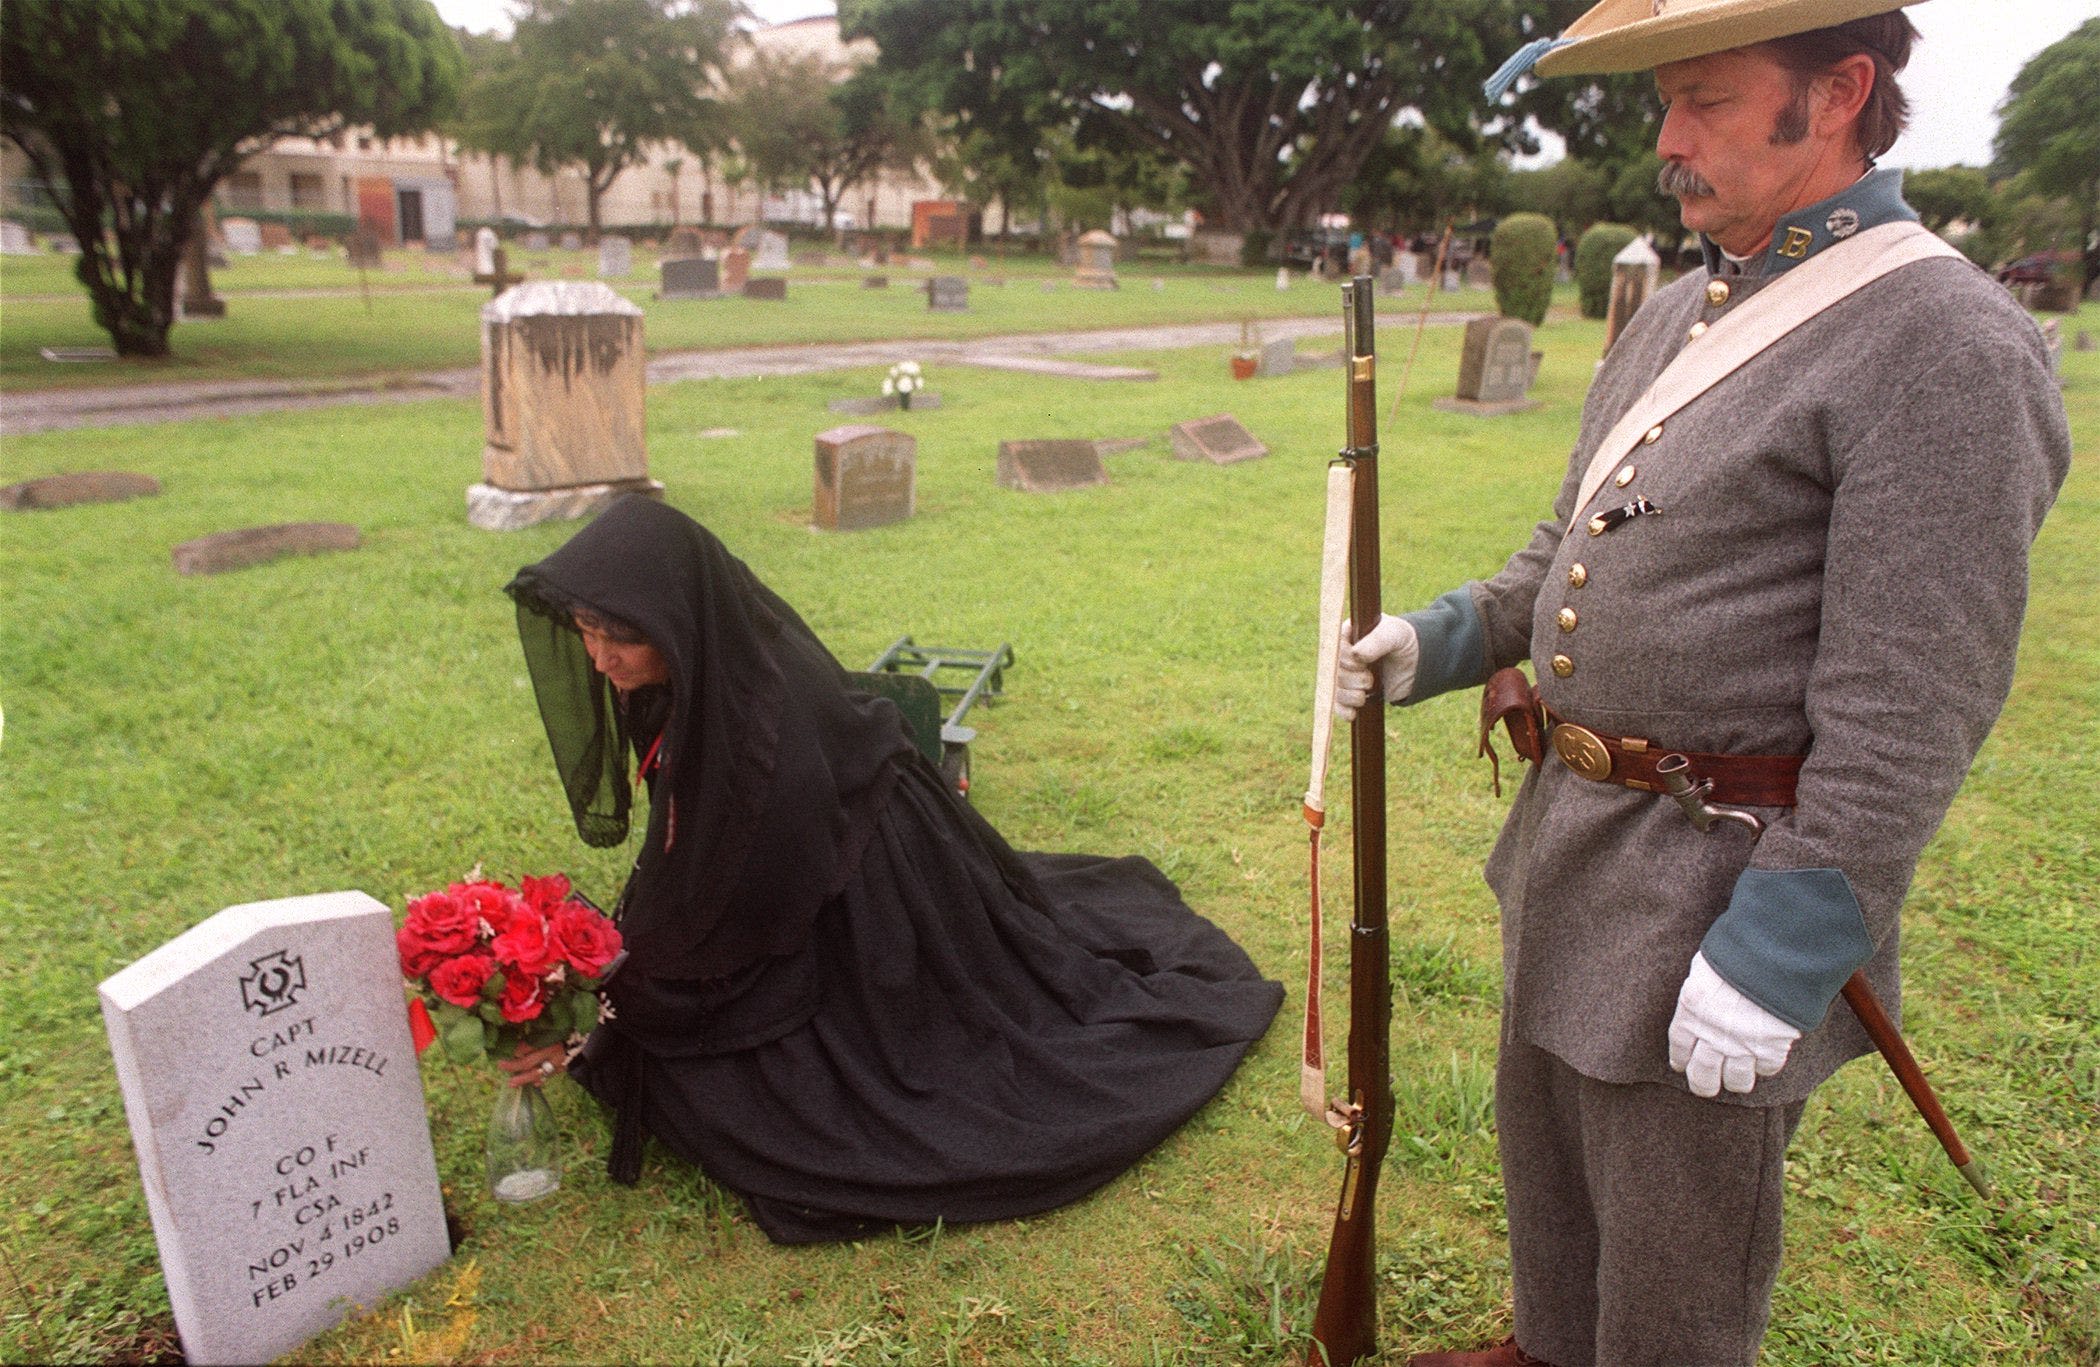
845 996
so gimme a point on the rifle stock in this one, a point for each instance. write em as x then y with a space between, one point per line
1345 1324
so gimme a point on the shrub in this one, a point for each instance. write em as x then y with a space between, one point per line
1521 254
1593 258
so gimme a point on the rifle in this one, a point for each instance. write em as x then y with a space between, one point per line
1345 1325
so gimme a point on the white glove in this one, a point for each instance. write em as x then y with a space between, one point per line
1719 1037
1391 650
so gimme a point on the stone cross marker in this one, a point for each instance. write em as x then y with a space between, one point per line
1494 369
272 1090
947 294
1635 272
689 277
615 258
866 476
1221 440
1047 465
561 388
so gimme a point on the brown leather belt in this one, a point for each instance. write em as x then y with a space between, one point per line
1629 761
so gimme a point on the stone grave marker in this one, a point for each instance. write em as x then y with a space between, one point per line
363 250
1393 279
2084 342
561 387
572 241
1221 440
683 242
772 251
615 258
866 476
1635 272
770 287
948 294
1494 369
536 241
245 546
1049 464
875 282
736 269
485 242
276 237
83 486
15 239
1097 261
271 1086
2053 339
1278 357
243 235
689 277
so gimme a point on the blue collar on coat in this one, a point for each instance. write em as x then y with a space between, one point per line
1872 200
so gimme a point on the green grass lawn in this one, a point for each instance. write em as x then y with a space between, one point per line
177 745
299 318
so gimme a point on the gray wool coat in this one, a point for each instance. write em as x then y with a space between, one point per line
1839 570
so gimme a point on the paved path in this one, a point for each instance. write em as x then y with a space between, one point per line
1042 353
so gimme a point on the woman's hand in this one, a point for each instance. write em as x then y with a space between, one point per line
529 1065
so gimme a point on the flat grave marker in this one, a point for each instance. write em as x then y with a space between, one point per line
267 1072
1046 465
245 546
1219 439
82 486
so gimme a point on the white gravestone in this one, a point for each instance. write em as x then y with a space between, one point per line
615 258
772 254
271 1086
485 244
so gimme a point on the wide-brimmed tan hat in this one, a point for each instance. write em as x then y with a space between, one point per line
1636 35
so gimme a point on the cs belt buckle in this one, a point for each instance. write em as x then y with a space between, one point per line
1582 750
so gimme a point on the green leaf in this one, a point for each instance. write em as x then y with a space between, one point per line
460 1032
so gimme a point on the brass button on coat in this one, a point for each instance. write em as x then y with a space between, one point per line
1652 435
1567 619
1563 666
1624 477
1698 331
1578 575
1717 292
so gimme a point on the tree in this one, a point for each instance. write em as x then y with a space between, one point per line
132 111
1571 193
592 84
2049 130
1272 105
806 121
1949 195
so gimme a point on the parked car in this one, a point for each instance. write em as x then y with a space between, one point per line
2038 269
1303 246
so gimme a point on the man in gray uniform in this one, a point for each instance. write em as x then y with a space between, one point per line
1807 578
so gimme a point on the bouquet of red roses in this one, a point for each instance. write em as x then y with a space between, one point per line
498 967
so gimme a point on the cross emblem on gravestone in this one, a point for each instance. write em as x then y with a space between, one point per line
276 982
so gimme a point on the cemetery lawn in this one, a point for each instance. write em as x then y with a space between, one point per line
362 720
298 319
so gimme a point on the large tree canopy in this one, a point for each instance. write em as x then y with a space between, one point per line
805 120
593 83
131 111
2049 130
1272 105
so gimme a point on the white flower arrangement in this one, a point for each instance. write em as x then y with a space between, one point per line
903 379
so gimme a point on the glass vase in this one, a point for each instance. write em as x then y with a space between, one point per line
904 399
524 1145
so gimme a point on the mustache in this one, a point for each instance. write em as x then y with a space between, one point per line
1682 182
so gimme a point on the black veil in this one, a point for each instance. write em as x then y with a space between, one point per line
771 773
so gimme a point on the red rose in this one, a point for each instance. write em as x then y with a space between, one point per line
418 956
460 980
442 923
489 902
526 946
586 939
521 999
544 894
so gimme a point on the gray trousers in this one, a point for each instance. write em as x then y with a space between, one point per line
1644 1222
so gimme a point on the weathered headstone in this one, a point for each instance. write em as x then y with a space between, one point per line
1097 261
83 486
1047 465
2084 342
1393 279
615 257
875 282
866 476
485 242
771 251
1635 272
243 235
1279 356
771 287
276 237
1494 369
1221 440
267 1072
683 242
245 546
572 241
15 239
688 277
536 241
363 250
948 294
736 269
562 384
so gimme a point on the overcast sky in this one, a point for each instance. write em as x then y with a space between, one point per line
1971 51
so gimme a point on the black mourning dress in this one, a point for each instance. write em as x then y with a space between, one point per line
846 997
